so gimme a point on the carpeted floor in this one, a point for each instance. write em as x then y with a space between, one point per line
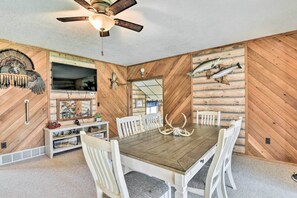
67 175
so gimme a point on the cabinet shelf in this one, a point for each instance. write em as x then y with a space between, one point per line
58 150
65 137
103 127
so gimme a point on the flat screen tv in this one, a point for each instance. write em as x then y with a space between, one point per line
70 77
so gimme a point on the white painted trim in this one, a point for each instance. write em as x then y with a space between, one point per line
41 151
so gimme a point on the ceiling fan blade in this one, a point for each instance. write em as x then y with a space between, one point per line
121 5
73 19
86 5
104 34
128 25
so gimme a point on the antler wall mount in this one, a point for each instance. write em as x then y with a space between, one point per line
176 131
17 70
114 83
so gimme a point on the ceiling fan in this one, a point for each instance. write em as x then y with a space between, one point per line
103 18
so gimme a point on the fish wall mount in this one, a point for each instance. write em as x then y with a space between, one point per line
17 70
219 75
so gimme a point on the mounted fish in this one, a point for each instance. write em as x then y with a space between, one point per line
220 76
17 70
205 66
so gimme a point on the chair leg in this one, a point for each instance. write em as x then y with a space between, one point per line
231 179
221 189
169 191
99 192
223 184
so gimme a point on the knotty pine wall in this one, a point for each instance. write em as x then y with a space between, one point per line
12 109
209 95
62 94
176 84
137 94
272 97
112 103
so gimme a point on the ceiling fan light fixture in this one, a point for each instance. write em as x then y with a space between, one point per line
101 22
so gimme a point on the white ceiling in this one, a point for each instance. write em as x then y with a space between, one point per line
153 89
171 27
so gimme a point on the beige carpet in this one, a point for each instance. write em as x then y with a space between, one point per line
67 175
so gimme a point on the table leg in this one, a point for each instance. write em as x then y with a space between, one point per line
180 186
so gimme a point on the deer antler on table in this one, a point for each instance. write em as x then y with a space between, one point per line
176 131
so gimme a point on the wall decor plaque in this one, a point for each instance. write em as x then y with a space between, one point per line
17 70
73 109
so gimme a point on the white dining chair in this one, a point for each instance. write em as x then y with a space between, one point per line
211 179
108 174
129 125
211 118
152 121
228 158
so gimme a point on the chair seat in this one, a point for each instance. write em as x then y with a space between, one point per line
198 181
144 186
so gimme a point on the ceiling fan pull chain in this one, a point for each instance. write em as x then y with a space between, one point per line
102 53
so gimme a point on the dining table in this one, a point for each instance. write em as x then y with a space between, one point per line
173 159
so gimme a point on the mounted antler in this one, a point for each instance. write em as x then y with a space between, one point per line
176 130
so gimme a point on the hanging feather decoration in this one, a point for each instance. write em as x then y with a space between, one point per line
17 70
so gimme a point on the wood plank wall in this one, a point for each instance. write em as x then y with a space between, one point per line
176 84
137 94
272 97
62 94
12 110
113 103
209 95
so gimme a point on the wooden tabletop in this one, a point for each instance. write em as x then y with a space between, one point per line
171 152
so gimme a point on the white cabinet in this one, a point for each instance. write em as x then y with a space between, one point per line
67 137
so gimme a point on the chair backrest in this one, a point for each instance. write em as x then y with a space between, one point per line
129 125
152 121
237 126
211 118
215 169
108 174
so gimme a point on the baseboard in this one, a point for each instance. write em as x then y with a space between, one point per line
266 160
10 158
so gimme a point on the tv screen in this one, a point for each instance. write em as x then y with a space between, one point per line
69 77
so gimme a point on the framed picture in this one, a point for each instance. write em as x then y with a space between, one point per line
72 109
138 103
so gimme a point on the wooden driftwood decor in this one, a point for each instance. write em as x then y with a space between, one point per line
17 70
72 109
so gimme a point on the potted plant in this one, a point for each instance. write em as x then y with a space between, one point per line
98 117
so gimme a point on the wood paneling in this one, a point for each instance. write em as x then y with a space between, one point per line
209 95
12 110
113 103
137 94
272 97
62 94
176 84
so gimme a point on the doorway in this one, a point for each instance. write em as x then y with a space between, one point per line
147 97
